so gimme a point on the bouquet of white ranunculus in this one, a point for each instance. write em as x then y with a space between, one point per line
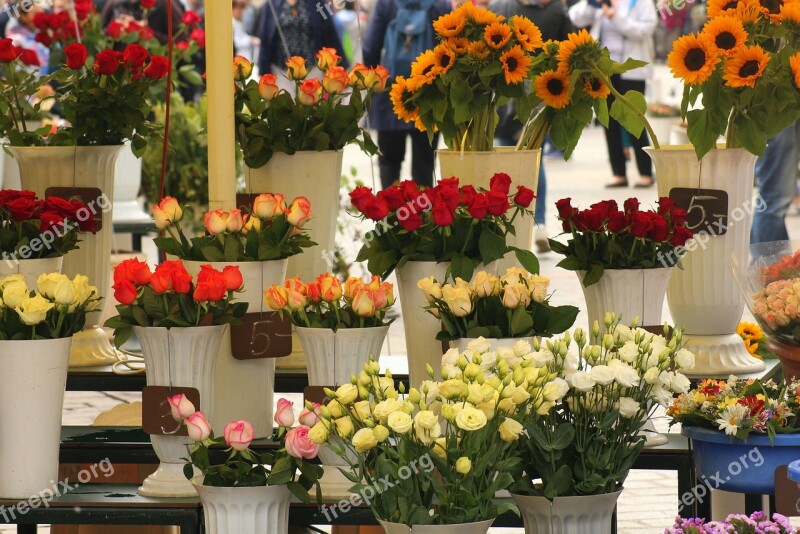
513 305
444 448
57 308
584 439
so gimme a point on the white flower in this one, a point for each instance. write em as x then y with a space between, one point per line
426 419
555 390
602 374
541 358
471 419
400 422
662 396
651 375
488 361
450 357
450 371
581 380
429 390
385 408
679 383
479 345
628 407
684 359
510 430
426 437
570 361
624 374
731 417
629 351
623 333
521 347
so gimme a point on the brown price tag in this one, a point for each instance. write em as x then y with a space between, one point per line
706 209
156 414
787 494
244 201
658 329
91 196
261 335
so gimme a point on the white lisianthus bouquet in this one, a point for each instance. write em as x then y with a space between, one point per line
584 438
456 438
513 305
56 308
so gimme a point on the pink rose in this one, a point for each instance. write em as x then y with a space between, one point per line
197 426
298 445
238 434
284 415
180 406
308 417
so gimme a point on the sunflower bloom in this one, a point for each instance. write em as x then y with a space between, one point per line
515 65
400 96
692 59
450 25
721 7
771 9
444 57
752 347
552 86
478 50
749 331
746 67
572 45
425 66
459 45
480 15
790 12
596 88
497 35
794 63
726 34
527 33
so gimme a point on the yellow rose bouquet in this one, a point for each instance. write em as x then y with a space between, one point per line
55 308
513 305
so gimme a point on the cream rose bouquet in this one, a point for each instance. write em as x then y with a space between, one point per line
290 465
513 305
584 438
456 435
56 308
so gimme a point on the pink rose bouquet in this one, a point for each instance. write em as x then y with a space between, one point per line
243 467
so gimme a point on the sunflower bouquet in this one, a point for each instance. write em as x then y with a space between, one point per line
480 62
744 68
571 82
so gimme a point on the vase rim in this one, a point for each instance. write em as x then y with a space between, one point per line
197 481
67 147
180 328
495 150
690 148
307 328
717 436
520 495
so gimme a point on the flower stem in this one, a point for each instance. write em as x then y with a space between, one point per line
12 78
627 103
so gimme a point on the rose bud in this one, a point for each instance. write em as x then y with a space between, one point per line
335 80
275 297
299 212
197 426
284 415
327 58
296 68
299 446
216 221
268 86
383 77
233 277
166 212
180 406
267 206
235 221
251 223
238 434
363 304
242 68
310 92
358 75
308 417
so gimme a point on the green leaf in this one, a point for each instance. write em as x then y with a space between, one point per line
528 260
212 253
593 275
627 117
521 322
492 246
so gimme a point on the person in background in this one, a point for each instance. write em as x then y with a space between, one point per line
552 19
626 28
350 27
776 178
392 132
22 32
244 44
123 10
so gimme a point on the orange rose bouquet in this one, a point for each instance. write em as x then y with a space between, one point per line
741 74
327 303
315 115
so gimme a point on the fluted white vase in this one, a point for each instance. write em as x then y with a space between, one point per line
182 357
244 510
335 355
586 514
481 527
246 387
31 269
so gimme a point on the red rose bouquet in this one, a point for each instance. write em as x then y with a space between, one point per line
462 225
169 296
605 237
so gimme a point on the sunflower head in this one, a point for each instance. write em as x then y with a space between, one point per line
497 35
790 13
722 7
725 34
527 33
424 67
596 88
478 50
745 67
692 59
516 64
400 95
794 64
479 15
459 45
749 331
450 25
552 87
577 49
444 58
752 347
771 9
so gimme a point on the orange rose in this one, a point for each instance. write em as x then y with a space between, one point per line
358 74
295 284
216 221
310 92
267 206
331 287
383 77
363 304
295 300
314 291
242 69
251 223
351 285
268 86
275 297
299 212
335 80
327 58
296 68
235 221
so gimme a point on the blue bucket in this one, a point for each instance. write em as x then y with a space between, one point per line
741 466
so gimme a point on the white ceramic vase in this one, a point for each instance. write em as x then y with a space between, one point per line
127 184
84 166
246 387
184 357
33 376
31 269
335 355
704 297
317 176
628 293
476 168
248 510
481 527
589 514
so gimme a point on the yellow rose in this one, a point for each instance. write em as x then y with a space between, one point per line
319 433
15 293
453 389
514 275
538 286
364 440
347 393
64 292
12 278
426 419
463 465
362 410
485 284
510 430
516 296
458 299
385 408
430 289
34 310
471 419
46 283
83 291
399 422
344 427
381 433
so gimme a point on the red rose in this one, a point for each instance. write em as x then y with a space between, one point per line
447 183
125 292
114 29
158 67
605 207
83 215
665 205
106 63
28 57
7 195
500 182
146 33
8 51
171 275
135 55
442 216
449 196
134 271
497 202
83 8
21 209
478 206
660 229
411 222
182 45
393 197
148 4
60 20
181 279
678 216
410 190
198 35
467 193
233 277
617 223
640 224
360 197
679 237
40 20
48 220
524 196
59 205
566 225
631 205
211 285
190 18
44 38
76 55
590 220
377 209
160 282
565 209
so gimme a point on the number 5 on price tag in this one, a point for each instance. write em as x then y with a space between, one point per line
706 209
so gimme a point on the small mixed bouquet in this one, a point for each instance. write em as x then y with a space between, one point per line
462 225
268 230
169 296
605 237
513 305
56 308
739 407
327 303
755 523
243 467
